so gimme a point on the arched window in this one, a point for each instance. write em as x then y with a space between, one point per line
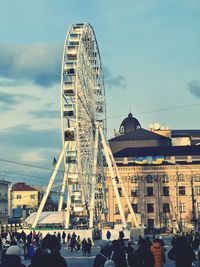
197 177
122 129
149 178
165 178
181 177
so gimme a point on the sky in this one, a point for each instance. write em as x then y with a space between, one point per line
151 62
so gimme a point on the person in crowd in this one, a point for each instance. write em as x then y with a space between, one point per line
68 237
130 251
73 243
148 241
89 246
12 258
63 237
108 235
26 250
48 254
181 252
84 246
59 237
31 251
78 242
143 256
103 255
158 253
118 254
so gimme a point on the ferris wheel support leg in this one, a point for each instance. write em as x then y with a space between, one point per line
110 167
60 205
94 178
135 221
46 194
68 209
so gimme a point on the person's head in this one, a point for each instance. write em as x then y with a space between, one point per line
142 242
50 244
13 250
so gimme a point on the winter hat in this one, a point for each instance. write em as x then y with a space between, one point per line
13 250
50 243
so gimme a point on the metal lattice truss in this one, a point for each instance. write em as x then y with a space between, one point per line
83 124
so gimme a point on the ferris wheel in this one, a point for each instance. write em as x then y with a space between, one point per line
85 149
82 107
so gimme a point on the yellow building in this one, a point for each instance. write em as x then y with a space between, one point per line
24 196
160 170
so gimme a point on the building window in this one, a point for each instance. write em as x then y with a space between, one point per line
197 190
120 191
133 179
182 207
197 177
122 129
150 223
165 178
135 208
33 196
134 192
149 191
117 209
166 208
150 208
19 196
181 190
149 179
181 177
165 190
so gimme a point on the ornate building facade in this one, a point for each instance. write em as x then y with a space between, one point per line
160 169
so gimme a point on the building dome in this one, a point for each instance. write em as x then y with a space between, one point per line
129 124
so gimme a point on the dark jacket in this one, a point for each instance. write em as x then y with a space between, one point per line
119 257
101 258
143 257
182 254
11 261
130 251
51 260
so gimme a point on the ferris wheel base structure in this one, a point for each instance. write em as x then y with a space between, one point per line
67 213
84 145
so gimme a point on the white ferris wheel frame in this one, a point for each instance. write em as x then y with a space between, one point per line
83 124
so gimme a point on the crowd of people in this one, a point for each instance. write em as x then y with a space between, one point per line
34 247
184 251
40 251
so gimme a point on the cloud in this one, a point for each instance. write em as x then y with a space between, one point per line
13 99
114 81
9 99
22 137
31 106
46 113
38 63
194 88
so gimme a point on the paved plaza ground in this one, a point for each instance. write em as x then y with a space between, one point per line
75 259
